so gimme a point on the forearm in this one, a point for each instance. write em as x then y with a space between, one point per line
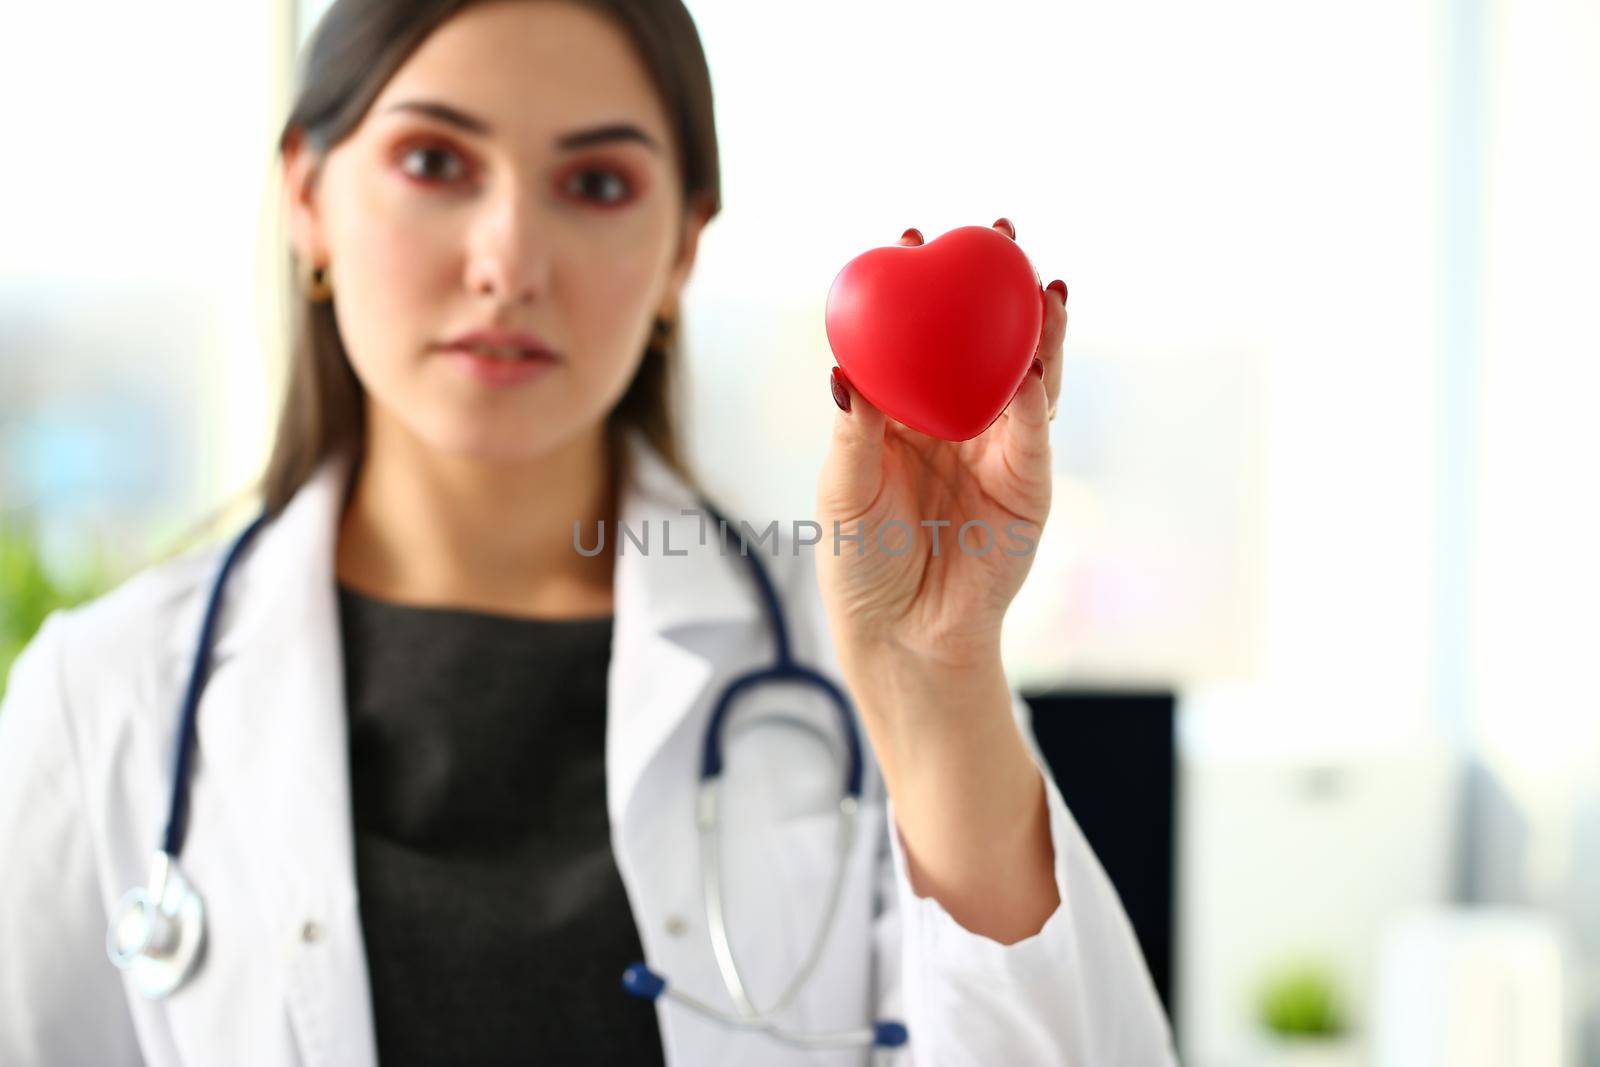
968 798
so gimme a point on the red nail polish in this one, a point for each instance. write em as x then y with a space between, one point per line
1012 230
1059 287
913 231
1037 368
841 395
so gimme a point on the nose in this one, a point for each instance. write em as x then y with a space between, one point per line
506 260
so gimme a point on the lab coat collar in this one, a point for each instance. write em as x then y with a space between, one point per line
669 593
284 707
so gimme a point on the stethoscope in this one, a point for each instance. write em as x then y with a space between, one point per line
157 932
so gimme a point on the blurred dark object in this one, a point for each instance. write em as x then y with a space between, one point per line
1113 755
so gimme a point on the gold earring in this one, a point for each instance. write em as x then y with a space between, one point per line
318 289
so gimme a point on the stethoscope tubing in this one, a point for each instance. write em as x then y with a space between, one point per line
783 669
647 984
177 805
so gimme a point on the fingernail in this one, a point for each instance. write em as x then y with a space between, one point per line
1059 287
1037 368
1010 229
841 395
913 232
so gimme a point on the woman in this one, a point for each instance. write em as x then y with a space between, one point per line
443 781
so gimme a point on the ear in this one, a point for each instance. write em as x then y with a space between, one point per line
694 222
301 165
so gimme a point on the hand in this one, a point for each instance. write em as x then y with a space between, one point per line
933 601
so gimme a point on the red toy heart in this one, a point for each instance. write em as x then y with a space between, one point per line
938 336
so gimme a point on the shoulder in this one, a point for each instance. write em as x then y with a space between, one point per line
117 647
80 700
138 615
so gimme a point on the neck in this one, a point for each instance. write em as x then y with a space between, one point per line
428 529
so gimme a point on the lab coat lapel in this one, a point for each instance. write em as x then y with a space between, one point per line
677 635
669 604
272 751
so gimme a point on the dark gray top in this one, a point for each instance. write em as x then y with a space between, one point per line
495 922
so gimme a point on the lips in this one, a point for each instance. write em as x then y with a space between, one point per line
509 345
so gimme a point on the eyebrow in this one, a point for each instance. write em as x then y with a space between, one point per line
617 131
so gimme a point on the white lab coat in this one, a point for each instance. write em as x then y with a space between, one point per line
86 736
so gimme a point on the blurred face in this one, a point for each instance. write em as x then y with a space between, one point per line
515 179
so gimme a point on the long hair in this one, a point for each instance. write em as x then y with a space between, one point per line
353 52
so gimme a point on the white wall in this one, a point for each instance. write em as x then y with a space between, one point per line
1238 199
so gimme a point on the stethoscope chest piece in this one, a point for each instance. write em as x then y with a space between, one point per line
157 932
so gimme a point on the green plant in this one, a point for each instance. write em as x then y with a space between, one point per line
29 592
1301 999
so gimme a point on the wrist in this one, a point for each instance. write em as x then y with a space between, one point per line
922 657
924 715
893 680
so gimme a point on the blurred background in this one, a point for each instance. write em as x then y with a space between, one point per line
1310 635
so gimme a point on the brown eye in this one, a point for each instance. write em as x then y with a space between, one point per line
431 163
600 185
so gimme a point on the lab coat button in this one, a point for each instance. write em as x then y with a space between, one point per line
677 926
311 932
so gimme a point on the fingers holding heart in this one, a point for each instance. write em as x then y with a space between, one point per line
1052 339
1053 331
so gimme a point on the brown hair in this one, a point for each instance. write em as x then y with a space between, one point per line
353 52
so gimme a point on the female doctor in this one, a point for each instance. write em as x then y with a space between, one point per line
445 780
